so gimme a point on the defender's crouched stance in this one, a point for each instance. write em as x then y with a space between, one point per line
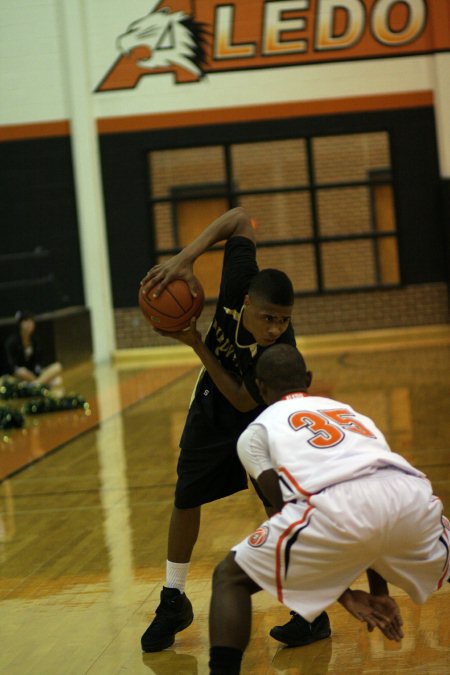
347 504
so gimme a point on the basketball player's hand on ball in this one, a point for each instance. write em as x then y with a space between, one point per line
377 611
174 268
190 336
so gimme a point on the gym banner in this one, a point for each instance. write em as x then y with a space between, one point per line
192 38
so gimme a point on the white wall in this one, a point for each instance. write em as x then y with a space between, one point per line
31 67
33 79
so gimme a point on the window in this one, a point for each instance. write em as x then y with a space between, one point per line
324 206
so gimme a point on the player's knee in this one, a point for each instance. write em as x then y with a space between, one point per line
226 572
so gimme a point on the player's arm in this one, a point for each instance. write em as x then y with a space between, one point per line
377 585
270 486
253 451
233 389
230 386
235 222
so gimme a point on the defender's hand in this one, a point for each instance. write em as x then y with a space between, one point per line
376 611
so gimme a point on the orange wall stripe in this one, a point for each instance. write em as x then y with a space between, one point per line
111 125
14 132
265 112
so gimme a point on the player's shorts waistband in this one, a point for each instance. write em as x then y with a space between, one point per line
381 473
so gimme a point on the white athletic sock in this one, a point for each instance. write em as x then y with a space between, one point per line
176 574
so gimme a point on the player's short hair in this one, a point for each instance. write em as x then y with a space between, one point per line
272 286
283 368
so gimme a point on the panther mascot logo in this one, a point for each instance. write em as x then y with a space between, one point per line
160 42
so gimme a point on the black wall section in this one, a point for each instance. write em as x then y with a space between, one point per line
126 190
38 210
414 161
419 210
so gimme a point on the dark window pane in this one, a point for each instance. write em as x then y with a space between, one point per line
296 261
344 211
270 164
186 166
164 235
348 264
280 215
340 159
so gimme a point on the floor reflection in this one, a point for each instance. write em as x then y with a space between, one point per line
83 531
170 661
45 432
313 658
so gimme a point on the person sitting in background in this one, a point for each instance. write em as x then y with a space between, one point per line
23 354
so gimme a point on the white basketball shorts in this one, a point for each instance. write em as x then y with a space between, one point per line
390 521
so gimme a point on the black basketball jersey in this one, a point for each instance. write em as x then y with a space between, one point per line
212 421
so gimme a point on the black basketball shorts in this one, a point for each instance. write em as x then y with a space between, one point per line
208 474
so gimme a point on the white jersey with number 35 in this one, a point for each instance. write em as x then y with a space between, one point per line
314 442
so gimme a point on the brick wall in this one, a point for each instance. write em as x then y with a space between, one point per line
418 305
269 165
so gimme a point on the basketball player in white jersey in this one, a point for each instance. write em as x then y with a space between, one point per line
347 504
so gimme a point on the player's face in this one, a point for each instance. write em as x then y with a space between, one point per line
265 321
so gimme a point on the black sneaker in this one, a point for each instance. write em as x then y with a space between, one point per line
173 614
298 632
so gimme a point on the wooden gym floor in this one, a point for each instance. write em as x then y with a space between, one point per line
83 526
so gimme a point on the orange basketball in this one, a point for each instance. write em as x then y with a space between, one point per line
174 308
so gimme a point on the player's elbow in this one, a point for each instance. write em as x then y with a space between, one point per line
240 214
243 223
